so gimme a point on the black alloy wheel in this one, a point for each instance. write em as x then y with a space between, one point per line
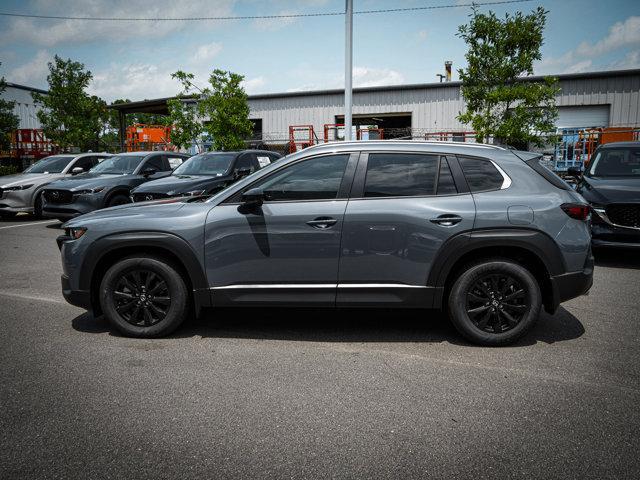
496 303
141 297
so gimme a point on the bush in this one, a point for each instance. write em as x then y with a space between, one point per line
7 170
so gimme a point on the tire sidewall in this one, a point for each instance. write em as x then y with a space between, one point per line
114 201
179 297
457 302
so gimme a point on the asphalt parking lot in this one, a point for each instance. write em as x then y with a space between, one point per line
312 394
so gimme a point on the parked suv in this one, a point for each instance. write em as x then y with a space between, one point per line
22 192
482 232
108 184
611 184
204 174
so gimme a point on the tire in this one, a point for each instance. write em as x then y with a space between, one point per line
145 280
494 302
37 206
118 199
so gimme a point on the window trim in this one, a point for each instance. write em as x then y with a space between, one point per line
506 179
343 189
357 190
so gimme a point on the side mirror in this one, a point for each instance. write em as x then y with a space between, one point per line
76 170
574 172
242 172
253 197
148 171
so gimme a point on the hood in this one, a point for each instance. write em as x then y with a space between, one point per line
156 209
181 184
603 191
27 179
90 180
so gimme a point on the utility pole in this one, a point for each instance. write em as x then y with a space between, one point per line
348 67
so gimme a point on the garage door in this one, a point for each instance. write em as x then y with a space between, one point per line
583 116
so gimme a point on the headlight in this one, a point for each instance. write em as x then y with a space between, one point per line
17 187
194 193
89 191
76 232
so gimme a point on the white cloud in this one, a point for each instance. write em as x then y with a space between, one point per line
54 32
374 77
621 34
254 85
422 34
34 72
134 81
207 52
630 60
273 24
581 59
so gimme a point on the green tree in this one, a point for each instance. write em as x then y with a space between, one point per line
9 121
500 102
224 103
70 116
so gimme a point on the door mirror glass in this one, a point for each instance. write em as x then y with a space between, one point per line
77 170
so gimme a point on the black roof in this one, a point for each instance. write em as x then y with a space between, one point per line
24 87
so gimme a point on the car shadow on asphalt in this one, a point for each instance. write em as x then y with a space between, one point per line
617 258
343 325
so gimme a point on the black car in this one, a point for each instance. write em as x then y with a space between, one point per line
611 184
204 174
107 184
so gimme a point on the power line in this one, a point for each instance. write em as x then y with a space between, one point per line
259 17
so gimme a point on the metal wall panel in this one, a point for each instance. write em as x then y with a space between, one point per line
24 107
435 108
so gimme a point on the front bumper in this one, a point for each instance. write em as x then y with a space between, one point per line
16 201
605 233
81 205
78 298
571 285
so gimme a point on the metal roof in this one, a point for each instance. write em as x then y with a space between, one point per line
24 87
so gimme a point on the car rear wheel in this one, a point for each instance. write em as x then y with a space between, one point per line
494 302
118 200
144 297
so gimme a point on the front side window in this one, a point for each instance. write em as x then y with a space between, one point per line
400 175
314 179
54 164
616 162
215 164
118 165
481 175
86 163
157 163
247 160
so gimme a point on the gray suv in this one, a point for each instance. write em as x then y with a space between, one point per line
484 233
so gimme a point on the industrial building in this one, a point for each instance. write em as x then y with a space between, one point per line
25 107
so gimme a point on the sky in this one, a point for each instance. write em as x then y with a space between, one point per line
134 60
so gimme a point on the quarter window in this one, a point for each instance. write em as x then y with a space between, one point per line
400 175
315 179
481 175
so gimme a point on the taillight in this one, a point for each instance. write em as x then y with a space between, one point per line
579 211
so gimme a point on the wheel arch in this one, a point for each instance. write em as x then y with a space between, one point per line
107 250
531 248
121 189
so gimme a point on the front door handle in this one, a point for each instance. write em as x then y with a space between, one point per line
446 220
322 223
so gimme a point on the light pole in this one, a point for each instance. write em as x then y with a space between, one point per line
348 79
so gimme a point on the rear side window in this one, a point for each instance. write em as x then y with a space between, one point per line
547 174
481 175
157 162
400 175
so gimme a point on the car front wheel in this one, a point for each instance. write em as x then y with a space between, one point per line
494 302
144 297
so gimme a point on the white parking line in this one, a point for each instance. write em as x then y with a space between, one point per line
29 224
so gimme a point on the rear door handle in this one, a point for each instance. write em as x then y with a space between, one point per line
446 220
322 223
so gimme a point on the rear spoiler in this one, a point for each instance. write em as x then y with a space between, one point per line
526 156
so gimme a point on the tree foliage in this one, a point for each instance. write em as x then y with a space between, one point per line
500 103
69 115
224 103
9 121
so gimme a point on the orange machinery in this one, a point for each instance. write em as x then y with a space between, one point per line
140 136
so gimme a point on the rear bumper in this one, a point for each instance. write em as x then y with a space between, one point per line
571 285
78 298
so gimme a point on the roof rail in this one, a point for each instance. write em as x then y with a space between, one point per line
425 142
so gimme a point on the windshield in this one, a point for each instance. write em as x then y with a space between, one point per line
53 164
206 164
616 162
120 164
